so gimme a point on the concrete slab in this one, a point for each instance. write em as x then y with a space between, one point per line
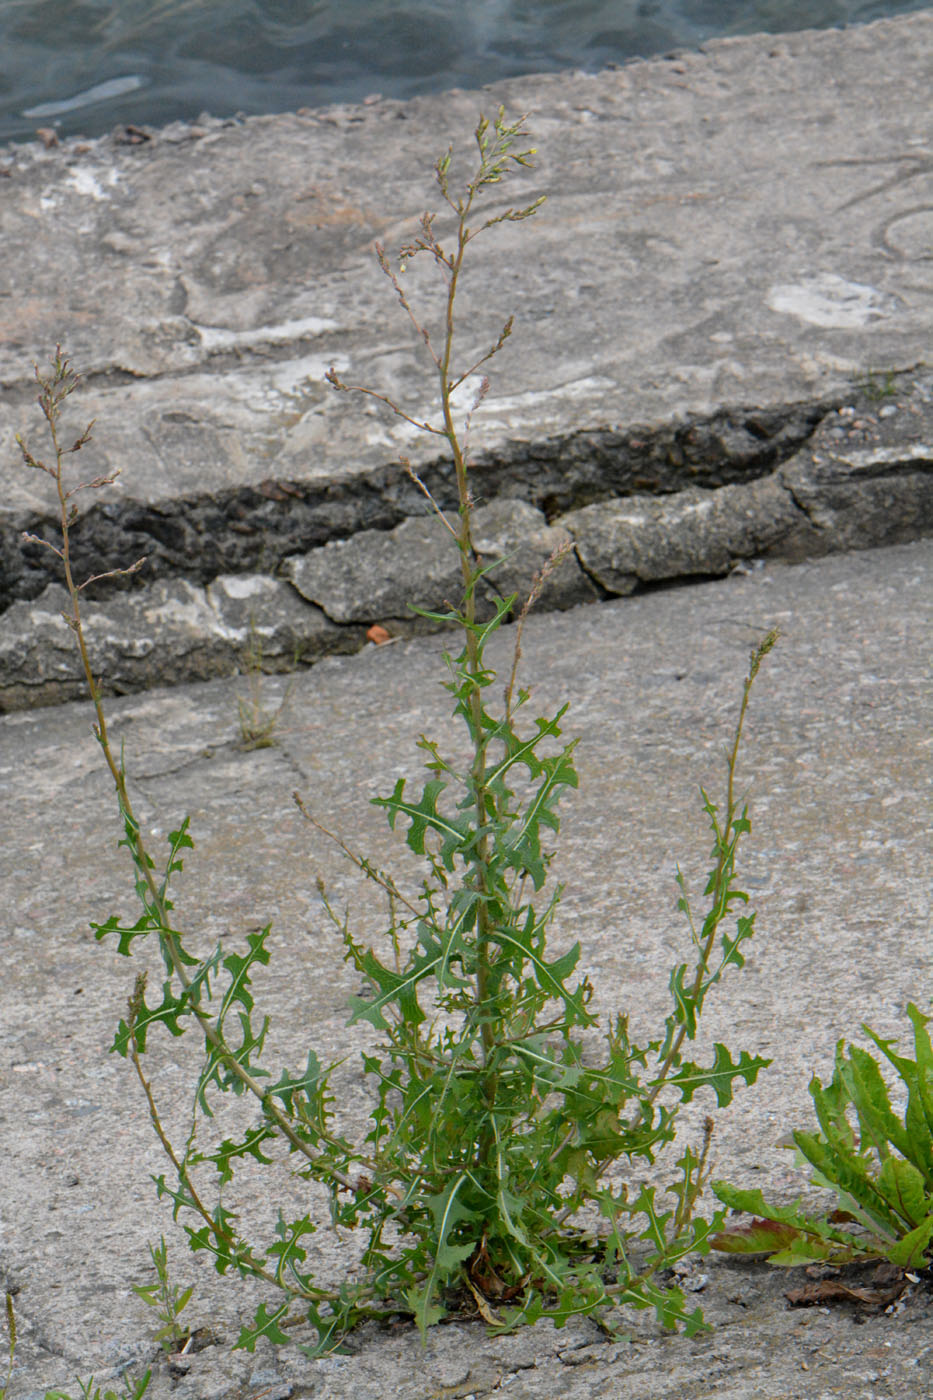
733 239
863 478
728 234
837 760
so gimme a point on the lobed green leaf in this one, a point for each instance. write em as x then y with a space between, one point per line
720 1076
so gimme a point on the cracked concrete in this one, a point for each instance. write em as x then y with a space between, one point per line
692 310
245 529
723 315
862 478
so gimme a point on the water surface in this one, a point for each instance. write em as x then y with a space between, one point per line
88 65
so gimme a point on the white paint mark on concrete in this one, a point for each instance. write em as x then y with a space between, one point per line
291 376
885 456
573 389
244 585
268 389
831 302
193 611
492 413
698 507
218 338
86 182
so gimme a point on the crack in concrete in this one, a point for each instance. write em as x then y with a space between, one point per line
918 165
254 528
304 570
806 511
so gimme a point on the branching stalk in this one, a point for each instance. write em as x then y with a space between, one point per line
492 1128
53 392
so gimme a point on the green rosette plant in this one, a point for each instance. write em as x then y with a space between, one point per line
878 1163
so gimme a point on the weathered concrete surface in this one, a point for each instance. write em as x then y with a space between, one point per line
838 761
732 238
378 574
171 632
864 478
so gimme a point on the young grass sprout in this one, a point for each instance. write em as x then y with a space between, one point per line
499 1105
257 721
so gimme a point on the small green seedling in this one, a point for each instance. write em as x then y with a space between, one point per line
880 384
11 1343
131 1389
167 1298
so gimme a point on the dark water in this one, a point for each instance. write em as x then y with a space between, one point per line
87 65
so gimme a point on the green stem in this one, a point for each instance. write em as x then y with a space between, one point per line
469 573
171 938
725 867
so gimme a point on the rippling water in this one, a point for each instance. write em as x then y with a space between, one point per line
87 65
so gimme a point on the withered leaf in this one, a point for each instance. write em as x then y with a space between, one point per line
887 1283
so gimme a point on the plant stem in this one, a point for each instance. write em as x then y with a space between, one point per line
725 865
155 903
486 1143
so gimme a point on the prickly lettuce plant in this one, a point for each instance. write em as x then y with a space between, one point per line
878 1163
499 1108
